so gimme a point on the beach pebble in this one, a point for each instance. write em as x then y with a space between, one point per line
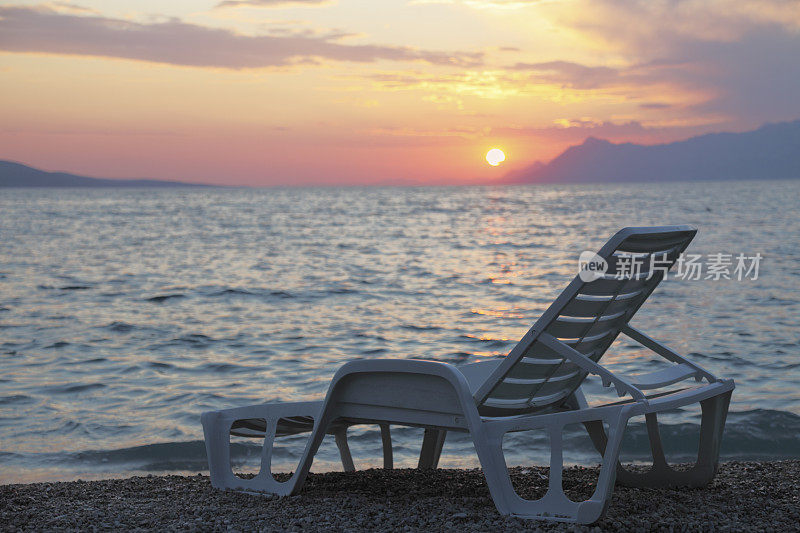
743 497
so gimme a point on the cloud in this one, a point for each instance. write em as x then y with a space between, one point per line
564 131
655 105
463 132
70 7
737 56
634 81
484 4
484 84
174 42
576 130
656 27
556 81
570 74
705 62
570 129
273 3
757 78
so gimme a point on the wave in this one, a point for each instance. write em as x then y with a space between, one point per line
192 340
749 435
227 367
16 399
248 293
120 327
159 365
488 342
272 294
164 297
59 344
233 292
87 361
71 388
281 294
758 434
414 327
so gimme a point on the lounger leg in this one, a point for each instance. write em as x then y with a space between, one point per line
218 449
715 410
438 450
344 450
217 428
656 448
386 438
554 505
432 444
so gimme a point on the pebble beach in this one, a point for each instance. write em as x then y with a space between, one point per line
744 496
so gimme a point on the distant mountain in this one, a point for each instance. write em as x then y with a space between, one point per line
770 152
18 175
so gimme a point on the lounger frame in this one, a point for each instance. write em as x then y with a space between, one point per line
437 396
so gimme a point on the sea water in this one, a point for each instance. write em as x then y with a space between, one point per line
126 313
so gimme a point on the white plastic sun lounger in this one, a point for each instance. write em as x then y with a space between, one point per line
536 386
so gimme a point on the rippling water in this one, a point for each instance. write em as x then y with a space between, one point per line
126 313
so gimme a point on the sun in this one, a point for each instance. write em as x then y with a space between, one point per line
495 156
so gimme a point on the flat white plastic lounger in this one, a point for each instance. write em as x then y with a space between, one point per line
537 385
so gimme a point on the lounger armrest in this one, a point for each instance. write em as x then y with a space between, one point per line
608 378
405 384
667 353
409 366
664 377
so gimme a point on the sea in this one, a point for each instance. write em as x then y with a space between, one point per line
125 313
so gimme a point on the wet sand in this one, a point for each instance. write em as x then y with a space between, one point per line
745 496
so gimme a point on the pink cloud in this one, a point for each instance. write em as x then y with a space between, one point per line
174 42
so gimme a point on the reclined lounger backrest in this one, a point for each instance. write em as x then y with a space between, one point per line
587 316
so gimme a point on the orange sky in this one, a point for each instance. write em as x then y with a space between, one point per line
270 92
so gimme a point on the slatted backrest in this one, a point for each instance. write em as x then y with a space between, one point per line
588 317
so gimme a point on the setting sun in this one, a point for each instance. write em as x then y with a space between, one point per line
495 156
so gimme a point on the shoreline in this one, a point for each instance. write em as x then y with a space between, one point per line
743 496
